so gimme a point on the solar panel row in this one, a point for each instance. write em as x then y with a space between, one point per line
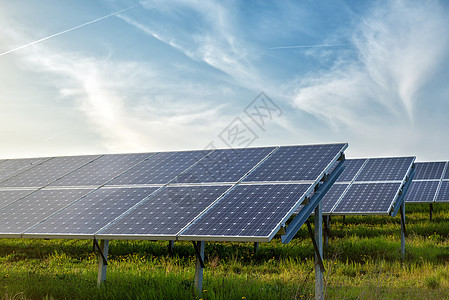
161 195
367 186
429 184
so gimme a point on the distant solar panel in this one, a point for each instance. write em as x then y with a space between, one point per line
9 196
367 198
350 169
165 213
91 213
249 212
225 165
443 193
11 167
422 191
385 169
160 168
429 170
101 170
446 175
297 163
47 172
27 212
332 197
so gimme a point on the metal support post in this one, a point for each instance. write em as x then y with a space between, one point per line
403 232
431 211
103 261
199 266
256 247
171 247
319 268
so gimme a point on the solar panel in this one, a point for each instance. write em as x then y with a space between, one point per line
12 167
101 170
429 170
446 175
385 169
91 213
248 211
9 196
47 172
350 169
225 165
368 198
443 193
422 191
332 196
165 213
27 212
160 168
297 163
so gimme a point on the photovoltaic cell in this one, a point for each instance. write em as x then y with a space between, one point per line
101 170
160 168
446 175
429 170
350 169
9 196
443 193
332 196
422 191
11 167
47 172
27 212
249 211
385 169
166 212
225 165
296 163
368 198
91 213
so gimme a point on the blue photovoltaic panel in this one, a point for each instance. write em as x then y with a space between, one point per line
47 172
166 212
368 198
249 211
421 191
9 196
160 168
443 193
429 170
446 175
332 196
12 167
225 165
91 213
385 169
350 169
27 212
296 163
101 170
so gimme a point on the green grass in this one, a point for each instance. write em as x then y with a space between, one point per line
362 262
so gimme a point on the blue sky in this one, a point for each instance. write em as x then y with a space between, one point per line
81 77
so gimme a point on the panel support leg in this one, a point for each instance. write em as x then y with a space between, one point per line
431 211
199 266
319 266
103 263
403 232
171 247
256 247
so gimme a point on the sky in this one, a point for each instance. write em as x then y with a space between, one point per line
118 76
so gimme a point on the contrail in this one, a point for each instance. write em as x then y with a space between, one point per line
68 30
309 46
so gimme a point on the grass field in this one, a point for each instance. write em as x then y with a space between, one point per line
362 262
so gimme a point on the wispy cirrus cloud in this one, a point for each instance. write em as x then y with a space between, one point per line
400 48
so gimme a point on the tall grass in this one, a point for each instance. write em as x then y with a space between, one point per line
362 262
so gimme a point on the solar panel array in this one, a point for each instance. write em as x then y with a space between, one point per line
162 195
430 184
368 186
